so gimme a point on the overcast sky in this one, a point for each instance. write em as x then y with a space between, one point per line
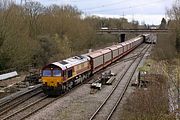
148 11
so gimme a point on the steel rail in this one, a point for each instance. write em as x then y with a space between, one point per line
125 88
11 98
63 95
112 91
13 114
4 109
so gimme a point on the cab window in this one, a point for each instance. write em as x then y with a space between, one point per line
69 73
56 72
46 73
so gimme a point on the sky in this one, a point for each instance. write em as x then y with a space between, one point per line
148 11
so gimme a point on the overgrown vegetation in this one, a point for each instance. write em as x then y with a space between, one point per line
36 35
165 48
150 102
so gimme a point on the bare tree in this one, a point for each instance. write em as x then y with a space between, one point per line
32 11
4 14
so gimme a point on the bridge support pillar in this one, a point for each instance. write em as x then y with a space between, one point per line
122 38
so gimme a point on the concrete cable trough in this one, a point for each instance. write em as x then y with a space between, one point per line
8 75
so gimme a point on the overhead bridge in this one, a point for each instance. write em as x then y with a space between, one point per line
136 31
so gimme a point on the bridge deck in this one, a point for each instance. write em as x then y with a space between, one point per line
123 31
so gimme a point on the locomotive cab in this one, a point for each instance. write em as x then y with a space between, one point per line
52 75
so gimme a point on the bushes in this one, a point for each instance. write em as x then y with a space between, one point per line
148 104
165 48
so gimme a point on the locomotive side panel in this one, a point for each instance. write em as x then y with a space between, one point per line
83 67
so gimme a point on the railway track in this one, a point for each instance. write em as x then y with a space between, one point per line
109 105
20 112
31 105
15 102
27 104
19 96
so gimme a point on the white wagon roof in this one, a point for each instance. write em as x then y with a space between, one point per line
70 62
113 47
95 54
124 43
104 51
118 45
135 39
128 42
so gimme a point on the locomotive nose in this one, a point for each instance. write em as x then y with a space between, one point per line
51 81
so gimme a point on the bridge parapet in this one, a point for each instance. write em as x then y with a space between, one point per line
139 31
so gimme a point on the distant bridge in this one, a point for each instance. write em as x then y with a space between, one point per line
136 31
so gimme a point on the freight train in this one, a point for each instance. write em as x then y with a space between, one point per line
61 76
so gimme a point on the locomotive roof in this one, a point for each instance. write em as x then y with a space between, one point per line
70 62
